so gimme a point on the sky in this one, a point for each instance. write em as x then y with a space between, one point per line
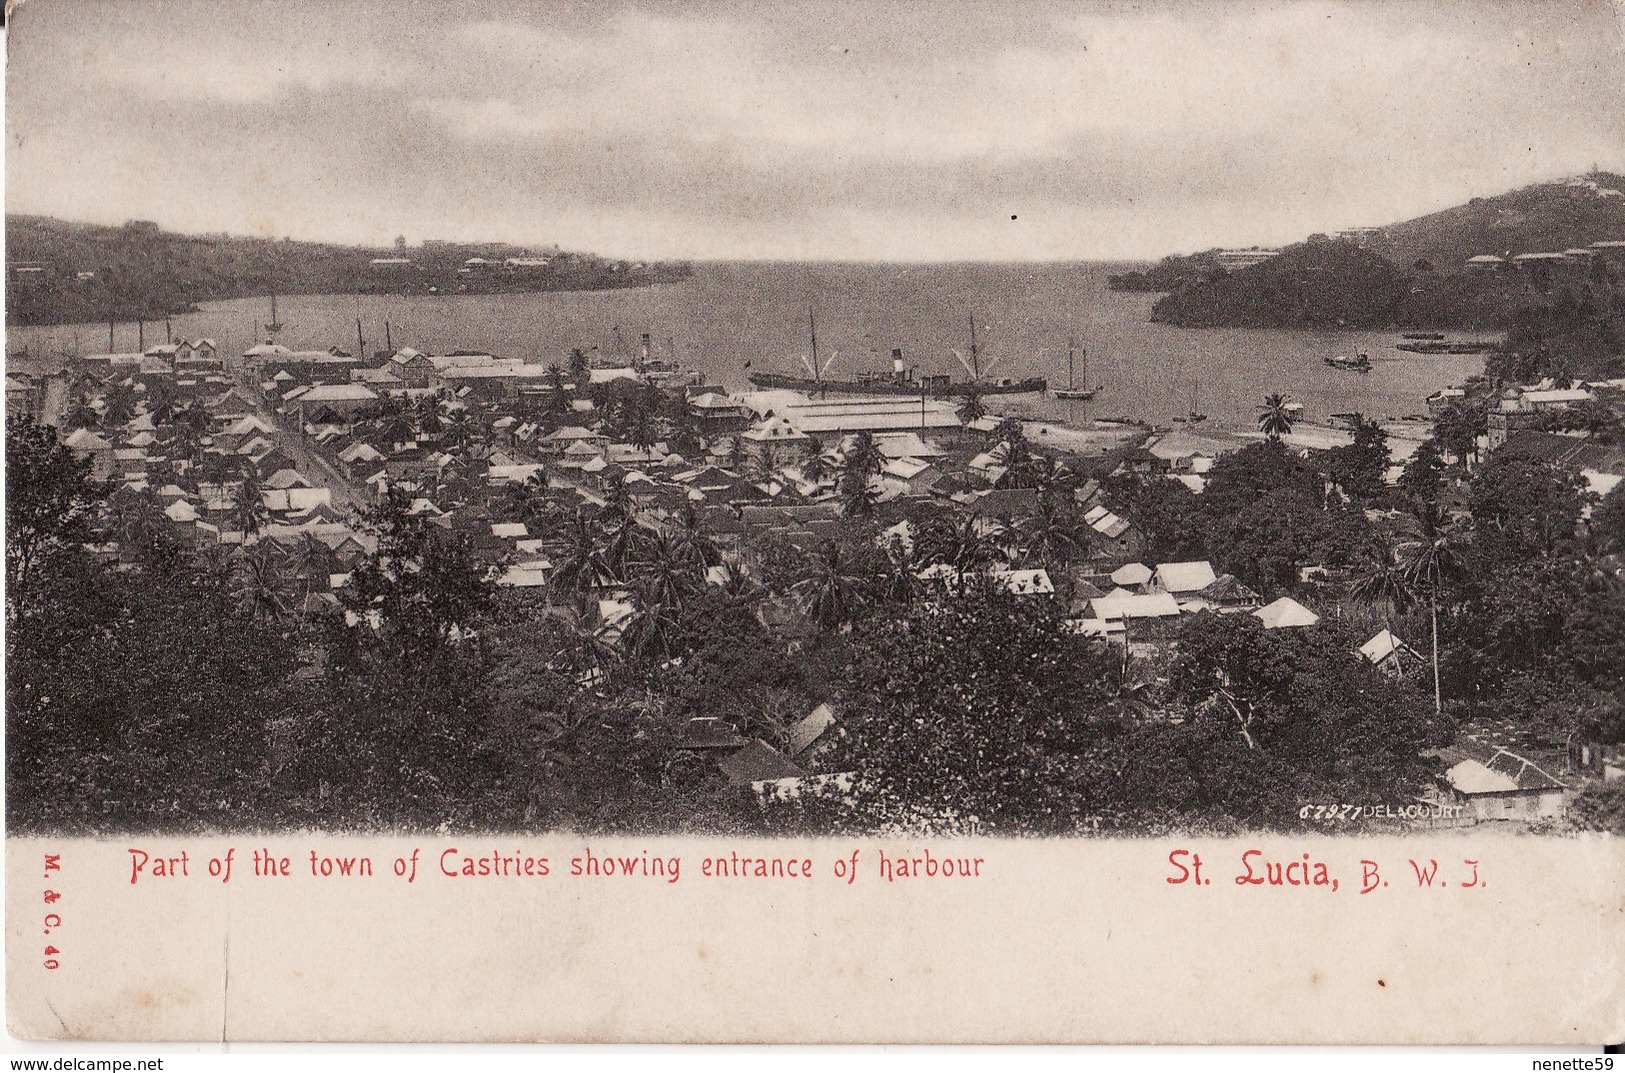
833 130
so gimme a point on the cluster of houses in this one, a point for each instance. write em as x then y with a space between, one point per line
280 452
1579 258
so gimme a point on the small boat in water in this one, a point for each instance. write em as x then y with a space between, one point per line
1441 346
1360 363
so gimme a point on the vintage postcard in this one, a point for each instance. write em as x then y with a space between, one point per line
918 522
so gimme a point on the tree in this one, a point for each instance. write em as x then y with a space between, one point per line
833 592
899 580
120 400
313 563
583 568
981 708
855 486
420 589
50 500
458 428
971 408
1429 565
667 570
1458 427
1051 535
1423 475
260 581
1523 507
558 394
248 505
1010 430
1360 468
958 541
1380 581
1293 715
1021 465
1607 522
1275 417
764 464
813 465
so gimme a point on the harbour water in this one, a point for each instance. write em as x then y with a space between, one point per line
729 314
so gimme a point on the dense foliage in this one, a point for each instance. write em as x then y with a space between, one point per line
138 270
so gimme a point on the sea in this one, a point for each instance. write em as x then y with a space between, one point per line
729 319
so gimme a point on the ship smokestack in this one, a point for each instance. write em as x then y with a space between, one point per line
897 362
643 347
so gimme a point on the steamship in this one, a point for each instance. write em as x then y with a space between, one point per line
902 380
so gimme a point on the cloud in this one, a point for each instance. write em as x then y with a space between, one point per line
728 129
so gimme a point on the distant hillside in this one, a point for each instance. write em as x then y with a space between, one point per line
1411 274
63 272
1543 217
1169 274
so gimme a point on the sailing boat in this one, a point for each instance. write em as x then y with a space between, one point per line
1071 391
1195 416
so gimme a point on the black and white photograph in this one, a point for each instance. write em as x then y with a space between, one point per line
928 420
692 418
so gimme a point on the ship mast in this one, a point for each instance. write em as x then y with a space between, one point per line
975 365
275 326
812 328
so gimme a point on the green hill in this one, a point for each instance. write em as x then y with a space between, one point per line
1543 217
1411 274
64 272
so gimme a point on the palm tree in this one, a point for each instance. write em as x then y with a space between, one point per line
728 451
694 543
832 593
739 588
120 399
519 497
248 507
1019 462
623 546
133 519
312 561
1380 581
957 542
82 415
1457 430
899 573
580 366
858 469
1428 565
259 582
1051 535
457 428
765 464
1275 417
863 455
858 494
558 397
654 629
426 415
813 465
666 571
583 568
971 408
